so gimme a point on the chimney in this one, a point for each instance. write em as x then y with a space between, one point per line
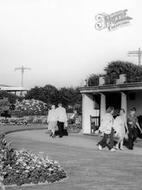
101 81
122 79
86 83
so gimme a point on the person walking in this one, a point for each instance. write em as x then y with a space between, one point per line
52 120
106 128
133 126
120 128
61 119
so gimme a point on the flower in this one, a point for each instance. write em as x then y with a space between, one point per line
30 107
21 166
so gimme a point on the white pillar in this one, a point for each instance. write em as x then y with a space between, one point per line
103 105
87 107
124 102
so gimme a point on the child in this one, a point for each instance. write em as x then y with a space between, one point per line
107 129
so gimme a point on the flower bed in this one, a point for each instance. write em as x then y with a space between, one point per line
29 107
22 167
13 121
76 128
24 120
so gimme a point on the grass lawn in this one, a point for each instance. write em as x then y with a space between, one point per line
87 168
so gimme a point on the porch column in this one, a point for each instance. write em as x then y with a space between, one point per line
124 102
103 105
87 107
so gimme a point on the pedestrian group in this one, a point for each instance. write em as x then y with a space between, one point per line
115 131
112 131
57 121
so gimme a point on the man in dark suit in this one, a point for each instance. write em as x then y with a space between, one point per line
61 119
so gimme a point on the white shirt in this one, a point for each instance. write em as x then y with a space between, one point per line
61 114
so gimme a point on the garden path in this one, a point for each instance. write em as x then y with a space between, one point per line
87 168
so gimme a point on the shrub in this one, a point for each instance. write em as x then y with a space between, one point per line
30 107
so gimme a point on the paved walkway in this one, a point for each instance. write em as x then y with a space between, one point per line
74 140
87 168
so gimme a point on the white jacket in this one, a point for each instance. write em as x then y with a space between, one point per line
106 123
61 114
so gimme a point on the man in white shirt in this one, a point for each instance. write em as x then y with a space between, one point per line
61 119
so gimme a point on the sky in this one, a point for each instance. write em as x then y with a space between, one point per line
58 41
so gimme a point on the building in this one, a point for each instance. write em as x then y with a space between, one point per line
13 89
96 99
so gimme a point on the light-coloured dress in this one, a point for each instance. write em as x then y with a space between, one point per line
119 126
52 119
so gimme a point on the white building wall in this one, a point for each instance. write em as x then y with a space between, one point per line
87 111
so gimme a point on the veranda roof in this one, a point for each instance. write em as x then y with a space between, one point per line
112 88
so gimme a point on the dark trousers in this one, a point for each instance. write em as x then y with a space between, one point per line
132 135
60 128
107 140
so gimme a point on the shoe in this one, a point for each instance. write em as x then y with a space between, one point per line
121 148
116 147
113 150
51 134
100 147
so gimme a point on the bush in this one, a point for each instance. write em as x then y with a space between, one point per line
30 107
114 69
20 166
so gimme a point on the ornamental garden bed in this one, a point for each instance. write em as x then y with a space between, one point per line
19 167
4 128
8 125
25 120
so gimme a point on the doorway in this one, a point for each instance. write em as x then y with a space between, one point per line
114 99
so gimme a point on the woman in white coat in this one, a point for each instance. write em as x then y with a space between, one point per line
121 129
52 120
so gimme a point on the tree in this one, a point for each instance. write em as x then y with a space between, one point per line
70 96
34 93
11 97
114 69
47 94
93 80
50 95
